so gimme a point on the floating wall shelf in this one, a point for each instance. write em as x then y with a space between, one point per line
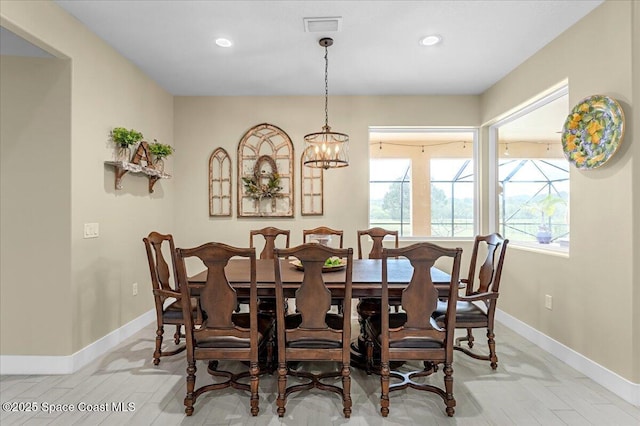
123 167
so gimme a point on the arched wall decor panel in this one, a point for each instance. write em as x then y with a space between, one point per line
311 189
265 173
219 183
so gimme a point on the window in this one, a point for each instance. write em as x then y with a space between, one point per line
533 174
534 194
452 200
422 181
390 194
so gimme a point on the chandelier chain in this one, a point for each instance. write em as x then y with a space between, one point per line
326 149
326 87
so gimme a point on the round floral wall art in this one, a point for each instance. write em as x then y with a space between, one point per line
593 131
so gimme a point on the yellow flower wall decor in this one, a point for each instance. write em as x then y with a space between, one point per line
593 131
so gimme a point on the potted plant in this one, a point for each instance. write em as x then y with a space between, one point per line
546 208
124 138
160 151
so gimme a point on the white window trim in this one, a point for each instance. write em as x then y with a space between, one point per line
532 105
475 131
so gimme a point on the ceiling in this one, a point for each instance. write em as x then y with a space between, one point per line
376 50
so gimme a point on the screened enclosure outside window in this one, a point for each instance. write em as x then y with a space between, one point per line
533 193
421 181
390 194
532 174
452 198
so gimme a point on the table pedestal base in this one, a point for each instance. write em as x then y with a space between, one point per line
367 308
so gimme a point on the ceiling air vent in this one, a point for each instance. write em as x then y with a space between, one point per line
322 25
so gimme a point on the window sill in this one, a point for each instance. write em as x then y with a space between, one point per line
554 249
551 249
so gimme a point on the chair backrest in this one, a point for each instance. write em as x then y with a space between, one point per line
490 250
420 300
158 267
313 301
321 230
270 234
377 236
217 298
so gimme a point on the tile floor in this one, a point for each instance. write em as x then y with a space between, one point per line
530 387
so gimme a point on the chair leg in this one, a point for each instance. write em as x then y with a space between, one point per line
492 349
346 390
448 386
282 388
470 337
176 336
158 352
254 370
384 386
191 384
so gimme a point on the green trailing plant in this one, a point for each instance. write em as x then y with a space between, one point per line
124 138
160 150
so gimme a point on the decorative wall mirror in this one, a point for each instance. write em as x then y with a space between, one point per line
265 173
312 189
219 183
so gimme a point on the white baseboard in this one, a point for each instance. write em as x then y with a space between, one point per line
36 364
617 384
66 364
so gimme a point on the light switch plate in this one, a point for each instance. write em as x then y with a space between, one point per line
91 230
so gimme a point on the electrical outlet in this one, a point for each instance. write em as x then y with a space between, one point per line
91 230
135 289
548 301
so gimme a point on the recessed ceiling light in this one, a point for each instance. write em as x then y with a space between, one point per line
431 40
223 42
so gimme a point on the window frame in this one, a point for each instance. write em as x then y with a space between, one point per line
475 158
494 160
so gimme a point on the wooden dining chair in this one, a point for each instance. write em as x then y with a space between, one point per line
157 245
322 230
223 334
313 333
477 308
413 334
270 234
377 235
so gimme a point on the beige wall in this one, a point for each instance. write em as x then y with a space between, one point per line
205 123
35 183
596 290
94 277
593 308
634 117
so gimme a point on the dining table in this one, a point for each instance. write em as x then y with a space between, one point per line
366 285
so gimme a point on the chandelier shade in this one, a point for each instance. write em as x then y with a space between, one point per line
326 149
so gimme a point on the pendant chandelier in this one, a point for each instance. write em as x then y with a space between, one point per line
326 149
